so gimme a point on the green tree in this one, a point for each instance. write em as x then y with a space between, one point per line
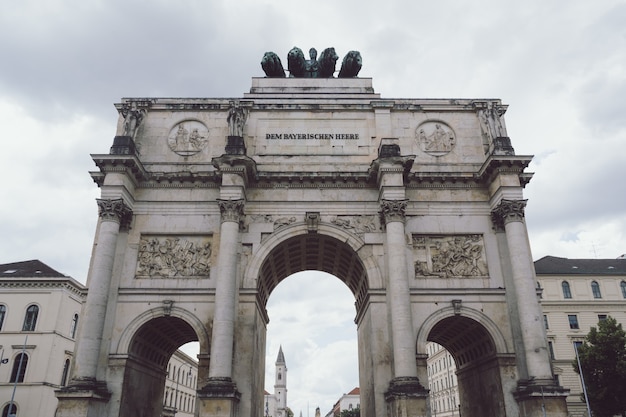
355 412
603 362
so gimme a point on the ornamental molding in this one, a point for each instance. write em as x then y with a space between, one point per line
231 210
393 211
508 211
114 210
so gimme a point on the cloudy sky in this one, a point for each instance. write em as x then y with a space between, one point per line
560 65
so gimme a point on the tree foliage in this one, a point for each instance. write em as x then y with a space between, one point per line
603 362
355 412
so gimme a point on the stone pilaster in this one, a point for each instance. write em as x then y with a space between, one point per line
84 390
220 396
509 215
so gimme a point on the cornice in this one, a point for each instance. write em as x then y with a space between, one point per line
503 164
40 284
124 164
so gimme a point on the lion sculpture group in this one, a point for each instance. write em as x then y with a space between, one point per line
299 67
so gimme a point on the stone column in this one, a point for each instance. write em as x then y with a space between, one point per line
112 214
220 396
405 396
84 394
540 388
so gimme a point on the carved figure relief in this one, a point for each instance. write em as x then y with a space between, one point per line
237 116
188 137
283 221
458 256
358 224
173 257
435 138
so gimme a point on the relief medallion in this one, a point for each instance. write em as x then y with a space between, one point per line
435 138
188 137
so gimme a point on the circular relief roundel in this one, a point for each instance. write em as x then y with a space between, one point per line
188 137
435 138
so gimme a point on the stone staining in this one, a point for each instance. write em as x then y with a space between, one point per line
173 257
188 137
435 138
458 256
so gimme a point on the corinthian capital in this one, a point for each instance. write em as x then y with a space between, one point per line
508 211
231 210
393 210
114 210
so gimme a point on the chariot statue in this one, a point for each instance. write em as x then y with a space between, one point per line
314 67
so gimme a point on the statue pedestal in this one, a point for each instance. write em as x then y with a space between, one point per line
235 145
85 398
537 399
218 398
406 397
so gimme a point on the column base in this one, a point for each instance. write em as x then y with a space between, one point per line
406 396
218 398
85 397
541 398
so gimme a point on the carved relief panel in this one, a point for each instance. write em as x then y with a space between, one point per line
456 256
174 257
435 138
188 137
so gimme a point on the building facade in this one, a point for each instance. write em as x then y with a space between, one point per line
208 203
39 315
180 386
442 382
576 295
349 401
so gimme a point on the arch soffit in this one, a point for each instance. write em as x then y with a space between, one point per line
448 312
123 345
297 229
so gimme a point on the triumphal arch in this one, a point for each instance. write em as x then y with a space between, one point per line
415 204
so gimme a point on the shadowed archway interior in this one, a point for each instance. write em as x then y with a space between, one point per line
157 340
466 339
313 252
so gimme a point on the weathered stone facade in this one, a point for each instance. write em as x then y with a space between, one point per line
416 204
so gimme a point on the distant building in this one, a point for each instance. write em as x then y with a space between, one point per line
39 315
347 401
577 294
180 386
442 382
275 405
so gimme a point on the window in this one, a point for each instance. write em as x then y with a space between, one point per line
545 322
601 317
573 321
30 320
551 349
595 289
3 312
566 290
9 411
623 286
73 326
66 371
19 368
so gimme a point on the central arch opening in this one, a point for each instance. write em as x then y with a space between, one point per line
312 316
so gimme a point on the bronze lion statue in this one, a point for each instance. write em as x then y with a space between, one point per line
272 66
351 65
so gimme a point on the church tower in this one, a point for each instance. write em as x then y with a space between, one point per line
280 385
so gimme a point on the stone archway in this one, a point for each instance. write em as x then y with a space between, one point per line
334 251
145 367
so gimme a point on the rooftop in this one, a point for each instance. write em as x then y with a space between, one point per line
28 269
552 265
